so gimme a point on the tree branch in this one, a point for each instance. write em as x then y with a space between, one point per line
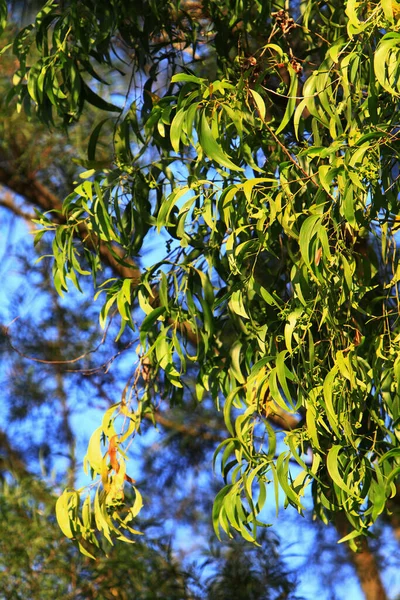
38 194
190 430
7 202
365 564
284 420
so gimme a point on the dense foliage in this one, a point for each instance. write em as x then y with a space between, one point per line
264 152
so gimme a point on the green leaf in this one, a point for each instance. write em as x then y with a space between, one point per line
217 509
291 99
387 6
283 374
97 101
177 125
236 304
94 136
387 49
328 398
187 78
350 536
307 232
235 361
259 103
149 322
332 463
5 48
85 552
211 148
168 205
3 17
99 515
282 470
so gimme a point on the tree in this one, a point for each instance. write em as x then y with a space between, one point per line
38 562
276 182
40 406
40 379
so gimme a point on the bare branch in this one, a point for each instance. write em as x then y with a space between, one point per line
8 203
284 420
190 430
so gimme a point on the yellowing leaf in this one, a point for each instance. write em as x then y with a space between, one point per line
94 455
259 103
63 513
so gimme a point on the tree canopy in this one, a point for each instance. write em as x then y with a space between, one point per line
258 143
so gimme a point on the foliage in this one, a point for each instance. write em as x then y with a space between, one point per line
246 571
276 188
36 562
45 404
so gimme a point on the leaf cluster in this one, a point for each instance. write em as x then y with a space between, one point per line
279 281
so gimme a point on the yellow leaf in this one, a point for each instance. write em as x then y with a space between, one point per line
62 513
